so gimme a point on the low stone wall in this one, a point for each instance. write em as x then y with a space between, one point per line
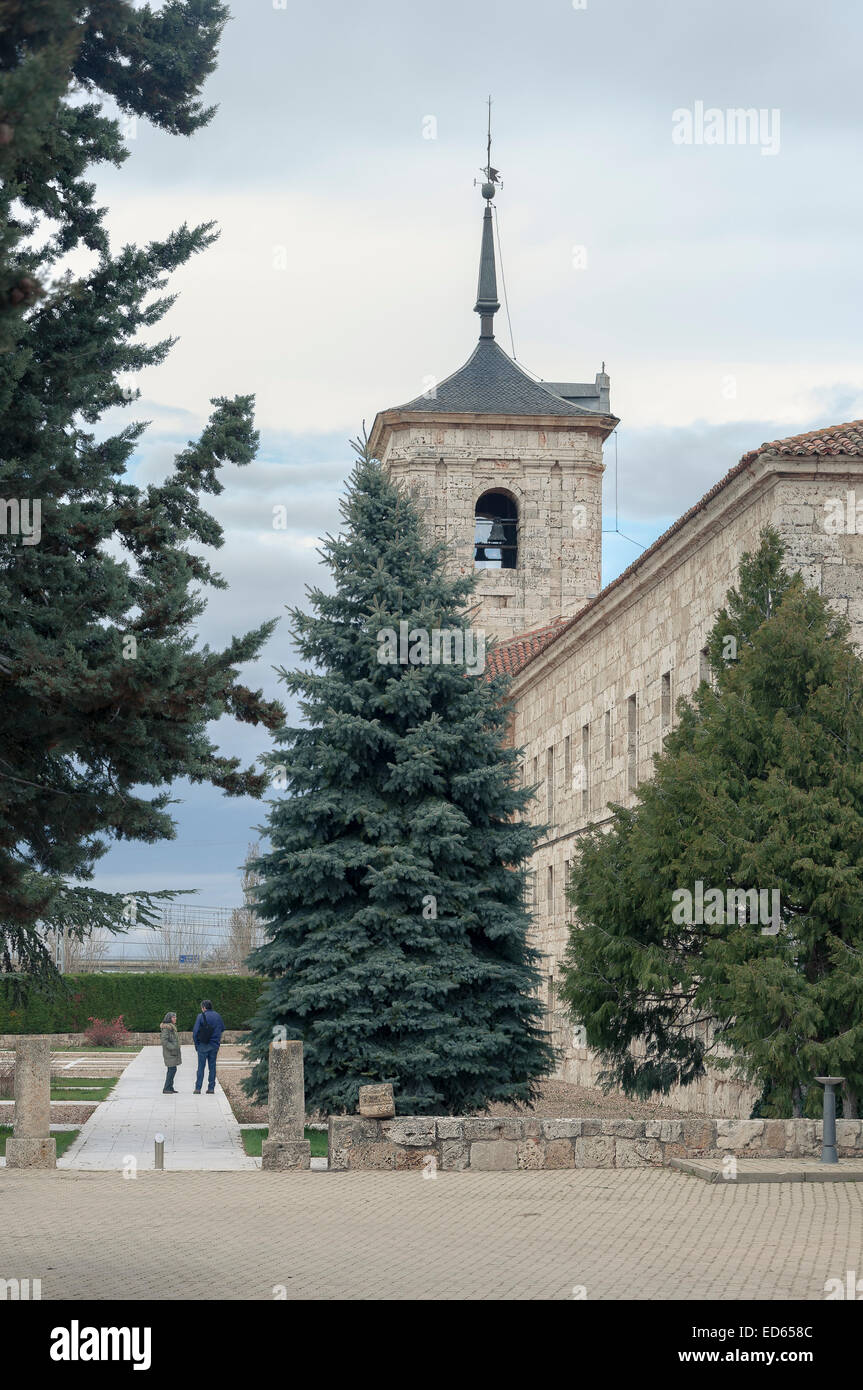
458 1144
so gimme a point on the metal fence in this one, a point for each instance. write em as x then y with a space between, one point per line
185 939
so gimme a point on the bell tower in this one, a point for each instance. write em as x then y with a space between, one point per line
507 470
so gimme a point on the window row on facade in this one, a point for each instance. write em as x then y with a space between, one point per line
576 774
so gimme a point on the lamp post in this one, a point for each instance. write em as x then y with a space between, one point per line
828 1139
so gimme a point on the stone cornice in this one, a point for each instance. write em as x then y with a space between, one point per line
386 421
749 480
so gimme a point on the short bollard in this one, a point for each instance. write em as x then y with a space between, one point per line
828 1140
160 1152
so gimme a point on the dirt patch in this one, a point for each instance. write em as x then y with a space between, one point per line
560 1100
557 1100
245 1112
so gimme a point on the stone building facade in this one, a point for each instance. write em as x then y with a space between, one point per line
597 672
596 695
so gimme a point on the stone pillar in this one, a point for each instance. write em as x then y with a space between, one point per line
286 1146
828 1133
31 1145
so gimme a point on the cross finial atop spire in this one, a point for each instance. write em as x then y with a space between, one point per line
487 303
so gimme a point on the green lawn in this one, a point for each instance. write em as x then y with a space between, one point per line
64 1139
253 1139
70 1088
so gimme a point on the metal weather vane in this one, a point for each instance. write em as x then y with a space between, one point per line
492 175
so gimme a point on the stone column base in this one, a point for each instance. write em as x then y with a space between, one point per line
31 1153
282 1154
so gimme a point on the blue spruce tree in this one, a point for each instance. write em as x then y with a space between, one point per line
393 895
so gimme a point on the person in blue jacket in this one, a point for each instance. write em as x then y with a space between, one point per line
206 1035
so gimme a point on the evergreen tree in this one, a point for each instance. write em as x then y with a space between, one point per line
102 690
393 894
150 64
758 787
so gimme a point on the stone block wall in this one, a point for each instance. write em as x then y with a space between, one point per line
647 631
458 1144
553 472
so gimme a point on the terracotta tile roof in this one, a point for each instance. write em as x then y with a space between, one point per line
831 441
507 658
836 439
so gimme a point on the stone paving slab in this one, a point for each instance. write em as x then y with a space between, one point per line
771 1170
616 1234
200 1131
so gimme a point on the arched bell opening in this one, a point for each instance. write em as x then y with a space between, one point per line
496 531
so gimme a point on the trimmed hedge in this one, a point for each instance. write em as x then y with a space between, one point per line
143 1000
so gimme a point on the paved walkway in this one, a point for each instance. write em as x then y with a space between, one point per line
200 1131
613 1233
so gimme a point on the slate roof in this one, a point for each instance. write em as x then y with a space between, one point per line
490 383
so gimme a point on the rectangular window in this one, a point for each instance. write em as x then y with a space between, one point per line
585 769
549 779
608 738
530 889
550 889
567 765
550 1006
703 666
665 702
567 870
632 743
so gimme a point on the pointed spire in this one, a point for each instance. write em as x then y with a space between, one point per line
487 302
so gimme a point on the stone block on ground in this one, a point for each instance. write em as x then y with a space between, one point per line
418 1132
494 1155
559 1153
31 1153
377 1101
454 1155
283 1155
594 1152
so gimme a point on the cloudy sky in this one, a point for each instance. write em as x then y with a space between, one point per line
720 282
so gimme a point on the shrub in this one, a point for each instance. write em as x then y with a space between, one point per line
142 999
107 1032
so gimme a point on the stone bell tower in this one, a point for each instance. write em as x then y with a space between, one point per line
507 470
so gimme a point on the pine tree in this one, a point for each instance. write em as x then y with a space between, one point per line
102 689
393 893
759 787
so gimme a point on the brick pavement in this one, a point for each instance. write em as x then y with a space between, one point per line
629 1233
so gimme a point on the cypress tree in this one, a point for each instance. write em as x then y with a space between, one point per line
393 892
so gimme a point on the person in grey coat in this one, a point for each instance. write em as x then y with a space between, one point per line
171 1054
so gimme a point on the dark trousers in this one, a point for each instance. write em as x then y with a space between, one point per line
169 1079
207 1057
